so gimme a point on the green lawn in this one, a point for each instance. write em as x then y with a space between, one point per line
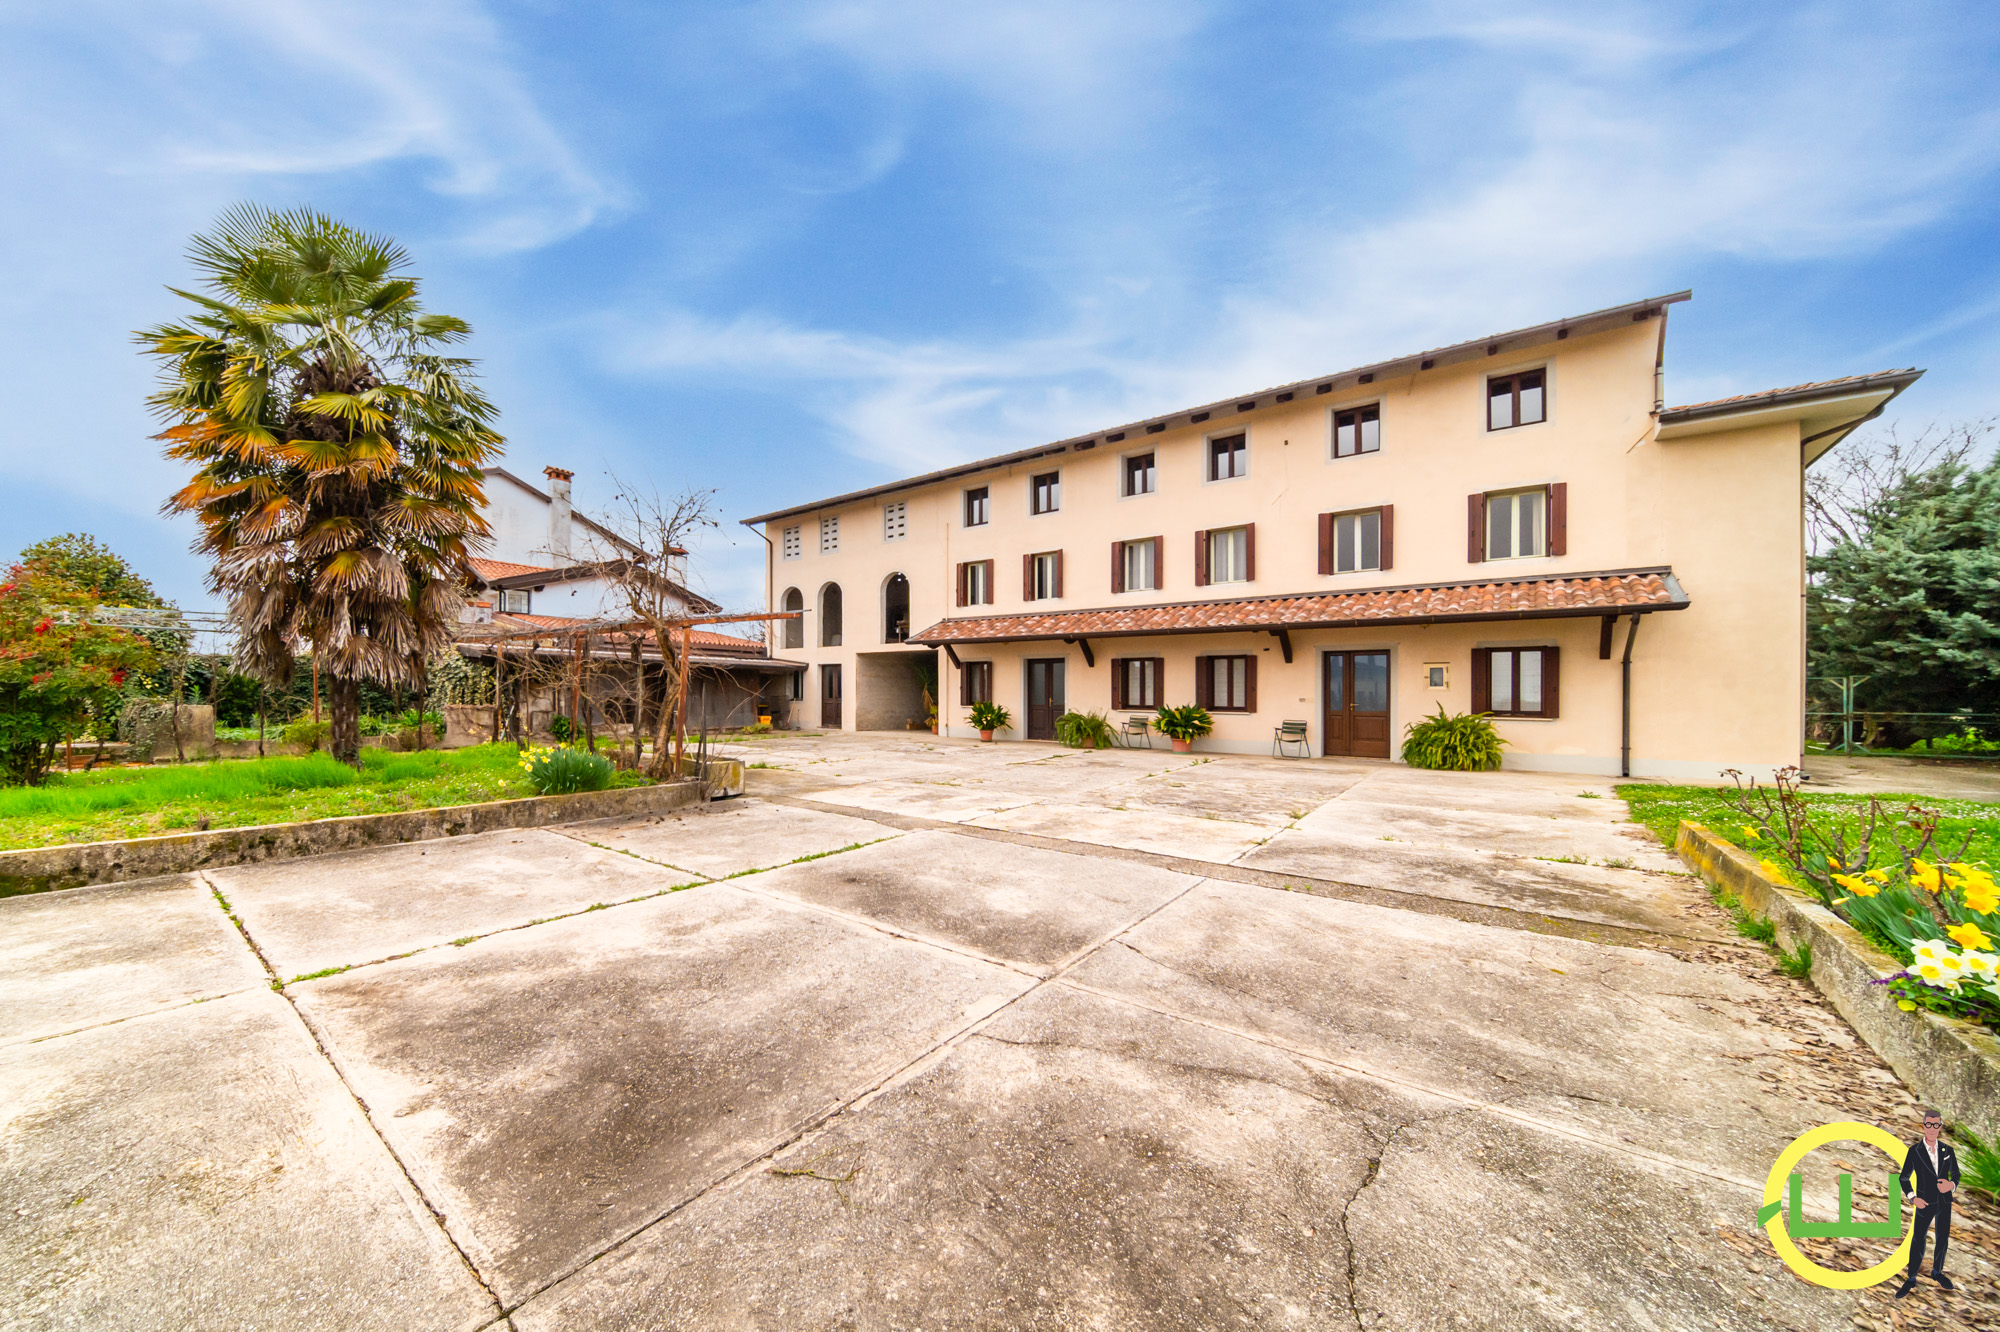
1661 808
137 802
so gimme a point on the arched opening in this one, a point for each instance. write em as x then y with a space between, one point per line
795 630
829 615
896 609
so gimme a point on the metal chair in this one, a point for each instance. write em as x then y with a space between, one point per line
1290 733
1135 728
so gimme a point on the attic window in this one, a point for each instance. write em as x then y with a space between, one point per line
513 603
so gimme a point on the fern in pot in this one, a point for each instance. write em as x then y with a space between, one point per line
1084 730
1464 742
1183 725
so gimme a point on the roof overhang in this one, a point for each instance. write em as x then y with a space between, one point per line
1612 592
1238 405
1826 413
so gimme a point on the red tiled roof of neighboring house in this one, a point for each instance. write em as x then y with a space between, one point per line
696 637
1617 592
1817 389
492 569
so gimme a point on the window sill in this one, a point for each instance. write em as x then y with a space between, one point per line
1521 717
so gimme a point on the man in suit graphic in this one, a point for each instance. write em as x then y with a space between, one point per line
1934 1166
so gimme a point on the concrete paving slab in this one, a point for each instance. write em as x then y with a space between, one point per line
1219 840
730 836
1018 904
336 911
553 1088
947 803
1613 1040
203 1168
89 955
1269 794
1435 824
1631 898
1530 799
1076 1165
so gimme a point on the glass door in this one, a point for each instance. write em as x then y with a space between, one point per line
829 697
1045 698
1355 686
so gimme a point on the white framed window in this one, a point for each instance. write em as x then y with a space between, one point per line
829 534
1517 524
1138 474
794 544
895 521
1047 579
1229 555
1228 456
1357 541
1141 560
1357 430
978 506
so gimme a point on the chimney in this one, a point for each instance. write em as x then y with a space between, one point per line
558 514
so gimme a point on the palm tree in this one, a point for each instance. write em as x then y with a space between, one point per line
338 454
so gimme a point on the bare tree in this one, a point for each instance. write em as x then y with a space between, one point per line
648 590
1846 489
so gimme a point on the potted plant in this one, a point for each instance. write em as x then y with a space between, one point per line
1183 725
1465 742
987 718
1084 730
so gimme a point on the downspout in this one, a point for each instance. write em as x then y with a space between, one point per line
1625 690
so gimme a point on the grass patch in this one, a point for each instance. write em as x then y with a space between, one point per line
142 802
1661 809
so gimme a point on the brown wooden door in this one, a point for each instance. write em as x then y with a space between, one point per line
1356 689
829 697
1045 698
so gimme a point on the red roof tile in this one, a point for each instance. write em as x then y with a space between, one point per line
1815 388
492 569
1640 590
696 637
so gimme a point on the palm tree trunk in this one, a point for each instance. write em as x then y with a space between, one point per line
344 710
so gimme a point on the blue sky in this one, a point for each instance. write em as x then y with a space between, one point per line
790 248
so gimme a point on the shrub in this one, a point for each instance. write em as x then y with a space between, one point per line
990 717
561 729
564 771
1084 729
1190 722
308 734
1466 742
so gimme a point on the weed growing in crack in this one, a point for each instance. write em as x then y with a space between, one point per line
1616 862
315 975
1796 964
1570 858
1590 795
460 943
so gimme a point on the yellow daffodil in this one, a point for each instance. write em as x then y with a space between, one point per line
1752 833
1969 936
1880 874
1926 876
1860 887
1984 903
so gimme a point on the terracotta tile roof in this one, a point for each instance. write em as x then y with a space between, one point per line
1641 590
492 569
1819 388
704 638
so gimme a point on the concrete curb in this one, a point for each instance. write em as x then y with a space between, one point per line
47 868
1950 1063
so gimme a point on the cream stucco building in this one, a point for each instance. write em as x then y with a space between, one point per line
1517 525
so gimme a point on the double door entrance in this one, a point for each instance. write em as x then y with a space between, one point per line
1045 698
1355 686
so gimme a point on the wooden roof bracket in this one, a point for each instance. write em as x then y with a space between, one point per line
1284 637
952 653
1089 657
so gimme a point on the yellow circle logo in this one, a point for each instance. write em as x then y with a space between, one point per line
1772 1213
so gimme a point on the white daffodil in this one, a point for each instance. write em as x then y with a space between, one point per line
1982 967
1930 950
1943 972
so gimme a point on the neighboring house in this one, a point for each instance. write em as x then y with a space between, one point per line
1516 525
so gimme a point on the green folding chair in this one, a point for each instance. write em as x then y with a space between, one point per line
1290 733
1135 728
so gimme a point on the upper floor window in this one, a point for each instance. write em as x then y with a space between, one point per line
1141 477
1517 524
1357 430
514 603
895 521
1514 400
829 534
977 503
1229 555
1228 456
829 615
975 583
1045 493
794 542
1135 565
1044 576
896 609
795 629
1357 541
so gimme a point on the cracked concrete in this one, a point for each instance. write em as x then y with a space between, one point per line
962 1077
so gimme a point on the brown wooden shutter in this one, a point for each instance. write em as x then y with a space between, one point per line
1117 685
1159 562
1059 562
1250 553
1159 680
1204 695
1475 527
1250 683
1117 567
1027 578
961 583
965 685
1201 559
1326 543
1559 518
992 587
1388 536
1482 679
1551 682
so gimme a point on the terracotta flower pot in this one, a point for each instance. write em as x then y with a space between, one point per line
987 736
1183 746
1089 742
